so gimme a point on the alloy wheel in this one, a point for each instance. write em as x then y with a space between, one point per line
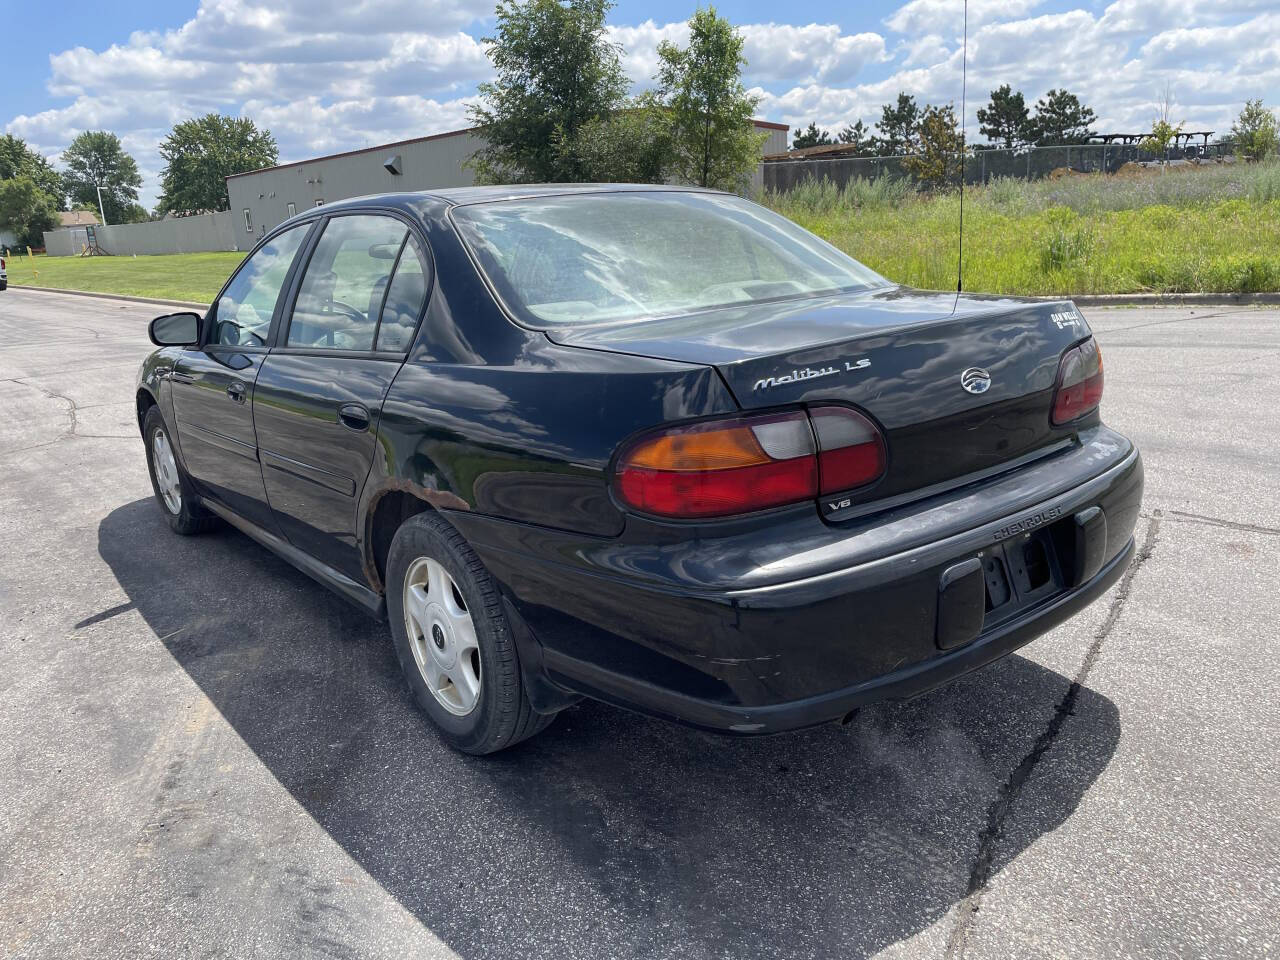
442 636
166 470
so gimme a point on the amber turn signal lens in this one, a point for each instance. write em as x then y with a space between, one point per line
720 448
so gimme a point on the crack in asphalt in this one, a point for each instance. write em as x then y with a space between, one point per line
1157 323
73 427
1179 516
1011 789
72 409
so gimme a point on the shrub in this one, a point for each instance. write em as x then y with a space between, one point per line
1009 194
1067 243
1159 217
1243 274
1264 186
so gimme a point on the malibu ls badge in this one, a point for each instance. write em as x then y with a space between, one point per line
808 373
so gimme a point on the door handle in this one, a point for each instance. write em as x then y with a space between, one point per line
354 415
235 390
176 376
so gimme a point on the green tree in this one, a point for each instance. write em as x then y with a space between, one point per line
898 124
713 141
1163 131
939 148
631 145
856 136
199 155
96 158
556 72
1061 118
1006 119
26 210
1255 132
19 160
812 137
134 213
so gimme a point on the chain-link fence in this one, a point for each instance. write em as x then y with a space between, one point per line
981 166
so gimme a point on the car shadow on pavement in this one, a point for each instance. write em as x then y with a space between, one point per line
610 834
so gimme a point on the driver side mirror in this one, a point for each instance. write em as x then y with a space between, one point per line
175 330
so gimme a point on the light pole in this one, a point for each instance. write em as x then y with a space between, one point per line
100 210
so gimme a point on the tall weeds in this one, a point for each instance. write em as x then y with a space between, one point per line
1215 229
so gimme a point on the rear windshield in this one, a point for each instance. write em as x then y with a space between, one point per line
588 258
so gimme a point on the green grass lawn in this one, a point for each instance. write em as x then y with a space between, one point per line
1210 230
187 276
1188 231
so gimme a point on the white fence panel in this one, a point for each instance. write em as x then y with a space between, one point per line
199 234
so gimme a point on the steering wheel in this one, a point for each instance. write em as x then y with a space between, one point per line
354 314
347 310
240 333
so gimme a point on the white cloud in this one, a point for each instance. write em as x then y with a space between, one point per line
816 52
1149 16
330 75
640 47
937 16
775 52
1192 45
925 50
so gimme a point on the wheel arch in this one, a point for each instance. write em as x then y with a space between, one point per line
395 502
144 401
388 508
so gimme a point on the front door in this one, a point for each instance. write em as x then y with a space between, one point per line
213 385
319 393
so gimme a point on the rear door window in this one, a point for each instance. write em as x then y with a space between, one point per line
405 298
340 299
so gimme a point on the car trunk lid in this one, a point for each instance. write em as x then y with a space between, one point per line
896 353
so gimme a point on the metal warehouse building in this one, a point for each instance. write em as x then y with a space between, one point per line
262 198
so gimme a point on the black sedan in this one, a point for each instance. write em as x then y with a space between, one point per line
659 447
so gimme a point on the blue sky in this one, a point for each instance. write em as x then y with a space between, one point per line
328 75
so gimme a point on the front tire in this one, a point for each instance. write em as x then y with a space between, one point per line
169 482
453 640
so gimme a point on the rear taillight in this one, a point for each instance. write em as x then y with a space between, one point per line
746 463
720 467
1079 386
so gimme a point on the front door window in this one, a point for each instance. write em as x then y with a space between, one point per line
244 311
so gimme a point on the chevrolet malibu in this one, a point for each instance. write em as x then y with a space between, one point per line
655 446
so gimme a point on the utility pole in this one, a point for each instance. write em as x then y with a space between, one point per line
100 210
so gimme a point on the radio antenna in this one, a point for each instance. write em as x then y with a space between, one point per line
964 67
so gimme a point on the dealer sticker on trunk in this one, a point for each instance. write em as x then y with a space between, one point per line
1067 318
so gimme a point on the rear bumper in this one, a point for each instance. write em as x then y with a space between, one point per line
903 684
796 622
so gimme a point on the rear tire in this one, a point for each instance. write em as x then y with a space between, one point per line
453 640
170 483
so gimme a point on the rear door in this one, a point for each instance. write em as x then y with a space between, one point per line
319 393
212 385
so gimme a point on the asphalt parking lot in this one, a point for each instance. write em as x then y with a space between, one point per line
203 753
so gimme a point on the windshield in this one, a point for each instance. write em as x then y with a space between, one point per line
587 258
